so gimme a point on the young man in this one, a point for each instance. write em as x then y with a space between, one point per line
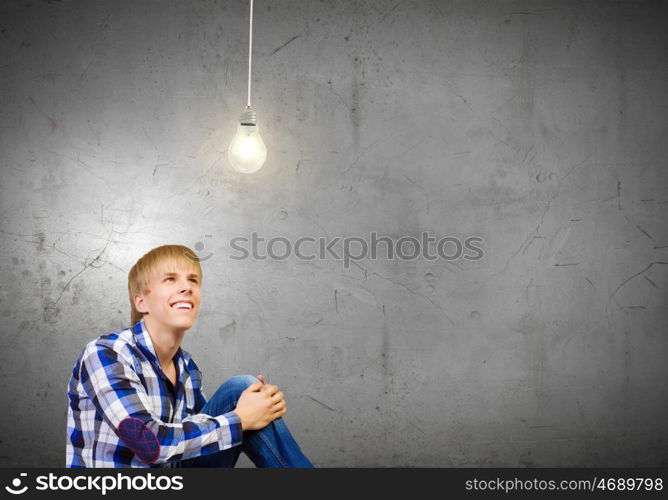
136 398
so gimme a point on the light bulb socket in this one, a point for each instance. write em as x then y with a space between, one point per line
248 116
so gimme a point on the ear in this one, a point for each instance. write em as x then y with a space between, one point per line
140 304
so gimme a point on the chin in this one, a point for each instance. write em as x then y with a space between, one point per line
183 322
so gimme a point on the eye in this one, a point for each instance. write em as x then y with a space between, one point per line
169 278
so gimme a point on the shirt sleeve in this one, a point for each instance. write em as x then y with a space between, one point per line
115 388
200 395
201 399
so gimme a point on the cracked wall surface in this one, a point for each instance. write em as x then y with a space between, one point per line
538 126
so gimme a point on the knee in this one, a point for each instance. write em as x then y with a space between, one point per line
241 382
230 390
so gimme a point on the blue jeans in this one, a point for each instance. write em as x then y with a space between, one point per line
272 446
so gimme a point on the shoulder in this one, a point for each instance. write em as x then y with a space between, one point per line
119 344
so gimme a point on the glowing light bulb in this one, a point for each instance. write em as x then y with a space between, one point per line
247 152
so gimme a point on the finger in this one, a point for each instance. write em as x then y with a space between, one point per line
255 387
262 379
278 397
271 389
280 406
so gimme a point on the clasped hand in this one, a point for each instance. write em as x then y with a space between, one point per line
260 404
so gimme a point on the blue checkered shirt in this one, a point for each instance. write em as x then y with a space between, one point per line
124 411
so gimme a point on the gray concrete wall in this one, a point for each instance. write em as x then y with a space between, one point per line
539 126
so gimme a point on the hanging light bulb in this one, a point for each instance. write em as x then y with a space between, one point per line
247 152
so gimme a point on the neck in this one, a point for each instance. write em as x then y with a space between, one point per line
166 340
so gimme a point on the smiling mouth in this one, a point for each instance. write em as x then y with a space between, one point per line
183 306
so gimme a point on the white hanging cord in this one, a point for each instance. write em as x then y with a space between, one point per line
250 50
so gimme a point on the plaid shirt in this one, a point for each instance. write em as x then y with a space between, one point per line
124 412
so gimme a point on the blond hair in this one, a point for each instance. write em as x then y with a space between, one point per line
160 259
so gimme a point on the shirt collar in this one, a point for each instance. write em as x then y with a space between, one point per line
146 345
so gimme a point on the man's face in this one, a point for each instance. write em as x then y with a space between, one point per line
170 292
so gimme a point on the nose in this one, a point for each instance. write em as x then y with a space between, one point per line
186 286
